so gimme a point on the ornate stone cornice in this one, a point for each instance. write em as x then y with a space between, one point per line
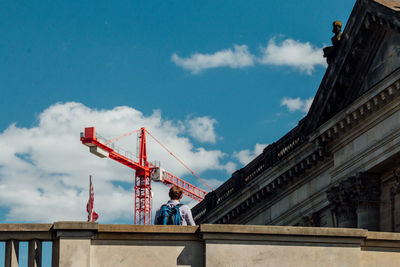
359 111
293 172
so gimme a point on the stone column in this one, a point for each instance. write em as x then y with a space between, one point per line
312 220
12 252
346 216
343 204
394 199
367 187
35 253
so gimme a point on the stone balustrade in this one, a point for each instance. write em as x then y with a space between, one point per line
91 244
34 234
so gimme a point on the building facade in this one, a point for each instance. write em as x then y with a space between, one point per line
340 166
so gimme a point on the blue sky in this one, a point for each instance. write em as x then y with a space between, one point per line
214 80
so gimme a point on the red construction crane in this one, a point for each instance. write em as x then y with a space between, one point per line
144 171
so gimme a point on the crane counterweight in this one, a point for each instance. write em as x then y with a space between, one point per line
98 151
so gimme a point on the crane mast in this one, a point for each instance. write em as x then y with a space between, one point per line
145 172
143 185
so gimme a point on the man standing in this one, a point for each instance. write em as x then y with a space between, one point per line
173 212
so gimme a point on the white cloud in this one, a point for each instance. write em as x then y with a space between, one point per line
44 169
239 57
292 53
245 156
202 129
308 104
297 104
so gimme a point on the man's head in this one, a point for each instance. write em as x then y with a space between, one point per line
175 193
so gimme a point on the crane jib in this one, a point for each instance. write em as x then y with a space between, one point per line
145 171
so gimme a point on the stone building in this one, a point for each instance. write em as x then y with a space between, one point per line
340 166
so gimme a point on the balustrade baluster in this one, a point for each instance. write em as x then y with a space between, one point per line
35 253
12 253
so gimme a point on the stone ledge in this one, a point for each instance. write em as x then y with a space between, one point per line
123 228
76 225
383 236
25 227
208 229
283 230
25 232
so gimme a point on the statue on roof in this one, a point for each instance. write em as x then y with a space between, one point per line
331 51
337 30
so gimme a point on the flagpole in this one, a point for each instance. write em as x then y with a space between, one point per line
92 215
90 199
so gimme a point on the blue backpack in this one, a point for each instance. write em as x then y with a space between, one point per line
169 215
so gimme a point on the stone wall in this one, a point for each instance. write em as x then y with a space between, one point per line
93 245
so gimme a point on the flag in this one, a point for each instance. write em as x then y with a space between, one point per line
92 215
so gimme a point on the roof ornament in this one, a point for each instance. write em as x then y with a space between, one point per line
331 51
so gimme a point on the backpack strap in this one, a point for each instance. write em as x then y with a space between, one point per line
159 220
179 218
